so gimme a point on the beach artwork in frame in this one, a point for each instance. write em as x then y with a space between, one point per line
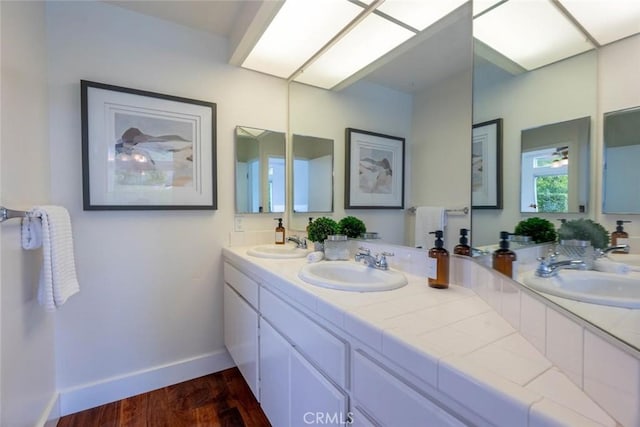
486 165
374 170
146 151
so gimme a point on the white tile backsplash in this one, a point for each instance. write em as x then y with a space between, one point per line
533 321
612 377
564 345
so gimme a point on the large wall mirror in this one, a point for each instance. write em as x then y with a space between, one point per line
260 170
622 157
312 174
554 173
528 102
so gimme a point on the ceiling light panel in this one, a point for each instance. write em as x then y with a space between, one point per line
369 40
419 14
531 33
606 20
299 30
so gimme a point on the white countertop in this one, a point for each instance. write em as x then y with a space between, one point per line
451 339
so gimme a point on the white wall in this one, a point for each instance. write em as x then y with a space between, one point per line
150 308
440 152
563 91
149 312
366 106
28 389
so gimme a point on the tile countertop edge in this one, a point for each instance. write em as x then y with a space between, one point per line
452 373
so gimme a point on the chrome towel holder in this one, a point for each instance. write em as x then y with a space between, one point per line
6 214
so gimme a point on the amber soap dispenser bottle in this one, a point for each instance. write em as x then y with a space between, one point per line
463 247
279 232
504 259
619 237
438 263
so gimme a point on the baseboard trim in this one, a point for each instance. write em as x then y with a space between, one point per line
86 396
51 413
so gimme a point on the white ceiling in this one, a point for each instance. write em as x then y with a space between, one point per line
213 16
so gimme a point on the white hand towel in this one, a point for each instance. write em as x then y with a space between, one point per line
607 266
31 233
58 279
428 219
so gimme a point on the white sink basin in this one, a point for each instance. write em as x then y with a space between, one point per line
632 260
278 251
590 286
351 276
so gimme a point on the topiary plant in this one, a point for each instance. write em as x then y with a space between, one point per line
540 230
351 227
584 229
320 228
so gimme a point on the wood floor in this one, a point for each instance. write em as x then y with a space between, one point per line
220 399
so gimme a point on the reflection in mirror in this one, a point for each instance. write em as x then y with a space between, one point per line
555 167
260 170
622 156
312 174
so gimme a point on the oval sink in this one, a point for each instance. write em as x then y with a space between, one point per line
351 276
632 260
590 286
278 251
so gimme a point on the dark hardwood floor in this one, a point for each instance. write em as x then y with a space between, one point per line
220 399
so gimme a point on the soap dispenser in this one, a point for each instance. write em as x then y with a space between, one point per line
438 263
463 248
279 232
309 224
619 237
504 259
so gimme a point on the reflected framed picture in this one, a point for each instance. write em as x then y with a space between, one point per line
146 151
486 165
374 175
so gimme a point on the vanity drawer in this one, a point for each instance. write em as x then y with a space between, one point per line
245 286
322 348
390 401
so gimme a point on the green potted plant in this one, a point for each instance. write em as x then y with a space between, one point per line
584 229
351 227
319 229
539 229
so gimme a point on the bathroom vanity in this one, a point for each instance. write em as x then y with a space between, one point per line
313 355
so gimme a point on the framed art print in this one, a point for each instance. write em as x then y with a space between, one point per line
144 150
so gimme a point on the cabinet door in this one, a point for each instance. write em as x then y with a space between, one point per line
241 336
314 400
390 401
275 390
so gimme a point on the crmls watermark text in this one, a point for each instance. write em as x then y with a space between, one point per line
328 418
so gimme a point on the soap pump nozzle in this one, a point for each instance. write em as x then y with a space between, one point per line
619 225
438 243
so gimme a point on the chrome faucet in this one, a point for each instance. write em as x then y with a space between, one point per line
623 248
378 261
300 242
549 267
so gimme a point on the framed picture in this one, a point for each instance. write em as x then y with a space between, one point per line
143 150
374 176
486 165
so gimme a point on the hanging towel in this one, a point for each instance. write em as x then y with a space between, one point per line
58 279
428 219
31 232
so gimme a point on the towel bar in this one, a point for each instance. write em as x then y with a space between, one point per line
6 214
458 211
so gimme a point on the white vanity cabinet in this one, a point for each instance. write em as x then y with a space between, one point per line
390 401
308 372
241 324
294 392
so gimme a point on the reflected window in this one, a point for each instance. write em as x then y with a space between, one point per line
545 180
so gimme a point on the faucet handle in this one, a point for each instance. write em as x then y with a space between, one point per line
381 260
364 251
387 254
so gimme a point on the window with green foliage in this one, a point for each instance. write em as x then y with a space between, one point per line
552 193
